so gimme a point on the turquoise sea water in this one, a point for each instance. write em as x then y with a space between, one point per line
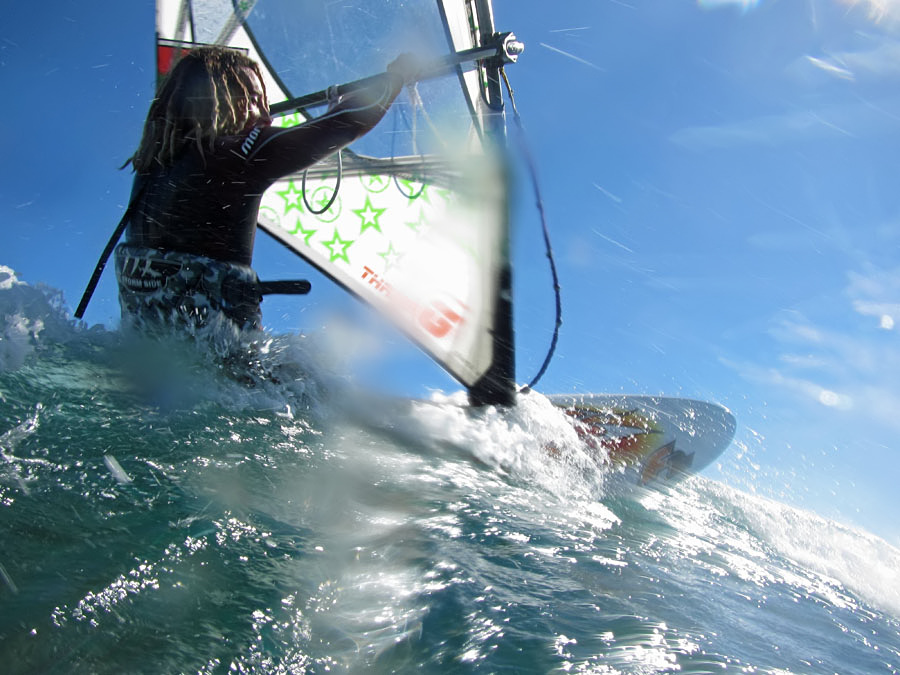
213 525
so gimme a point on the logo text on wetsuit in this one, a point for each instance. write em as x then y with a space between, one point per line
145 274
250 140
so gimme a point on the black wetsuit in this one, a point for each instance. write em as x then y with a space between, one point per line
207 204
189 241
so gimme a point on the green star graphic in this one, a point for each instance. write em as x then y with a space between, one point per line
416 224
287 121
414 190
319 198
375 182
306 234
390 256
323 200
369 216
293 198
337 243
444 193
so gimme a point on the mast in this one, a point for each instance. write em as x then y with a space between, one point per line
497 386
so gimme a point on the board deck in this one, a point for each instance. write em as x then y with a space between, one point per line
655 439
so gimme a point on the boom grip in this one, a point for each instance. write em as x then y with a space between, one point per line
285 287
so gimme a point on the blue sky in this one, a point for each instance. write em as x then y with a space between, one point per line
720 180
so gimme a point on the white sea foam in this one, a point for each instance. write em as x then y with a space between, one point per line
838 555
26 313
533 442
861 561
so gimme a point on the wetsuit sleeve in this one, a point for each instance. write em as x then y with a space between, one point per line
270 153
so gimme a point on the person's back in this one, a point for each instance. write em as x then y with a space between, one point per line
202 204
207 155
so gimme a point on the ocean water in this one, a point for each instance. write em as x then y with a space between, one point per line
207 523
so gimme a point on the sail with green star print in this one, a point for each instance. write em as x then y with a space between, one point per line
412 219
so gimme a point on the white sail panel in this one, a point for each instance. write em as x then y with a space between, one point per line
181 24
420 252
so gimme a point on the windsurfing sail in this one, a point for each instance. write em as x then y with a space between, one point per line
412 218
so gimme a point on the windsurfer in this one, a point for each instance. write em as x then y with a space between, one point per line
207 154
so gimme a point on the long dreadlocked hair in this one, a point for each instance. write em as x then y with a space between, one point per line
206 94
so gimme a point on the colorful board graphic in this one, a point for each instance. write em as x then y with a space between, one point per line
654 439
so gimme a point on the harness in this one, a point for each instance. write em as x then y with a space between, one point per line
174 289
160 288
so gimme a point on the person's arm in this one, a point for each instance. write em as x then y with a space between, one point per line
274 152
